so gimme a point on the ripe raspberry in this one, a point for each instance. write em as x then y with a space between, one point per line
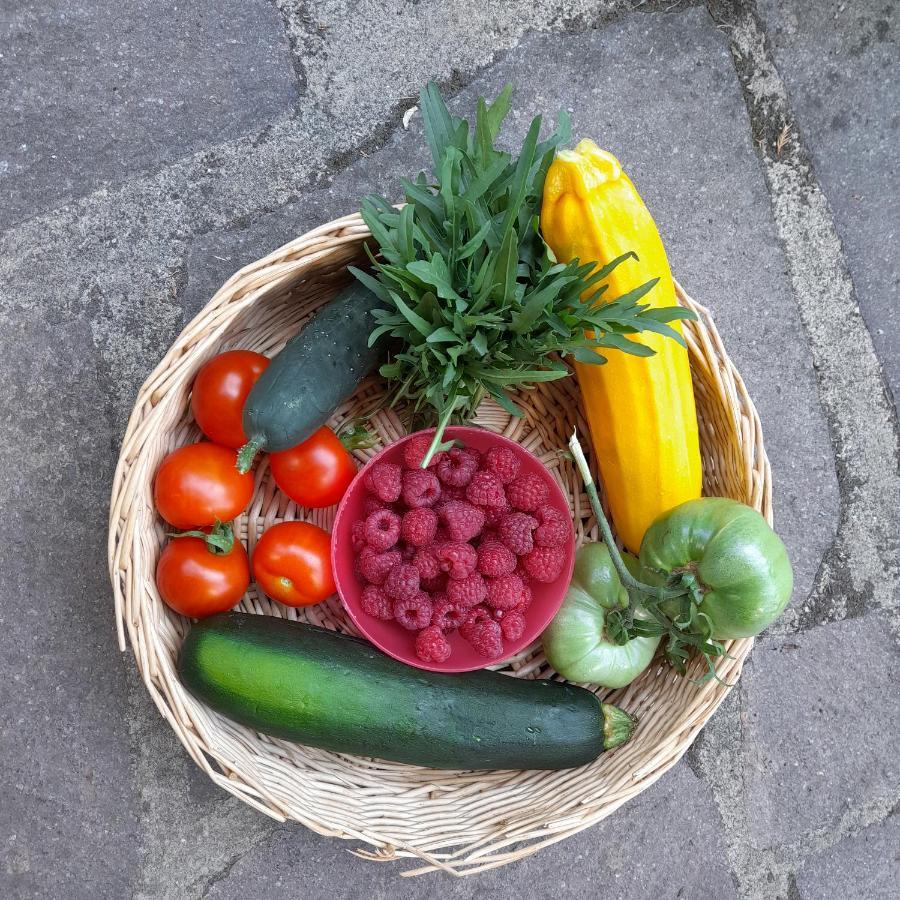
512 626
503 463
418 526
544 563
427 562
475 454
505 592
469 591
448 615
448 492
384 481
358 535
515 531
413 612
432 646
402 582
527 597
435 585
374 566
457 558
382 529
475 615
485 489
373 504
485 637
495 559
462 520
420 488
414 451
493 515
456 468
554 529
376 603
407 552
528 492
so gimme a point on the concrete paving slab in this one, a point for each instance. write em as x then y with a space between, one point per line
841 64
867 865
820 732
68 813
95 91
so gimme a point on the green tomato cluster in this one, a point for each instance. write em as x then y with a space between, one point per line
735 576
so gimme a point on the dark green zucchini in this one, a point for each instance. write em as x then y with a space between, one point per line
316 687
316 370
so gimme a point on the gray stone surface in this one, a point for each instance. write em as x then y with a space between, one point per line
97 90
627 856
841 64
867 865
276 117
820 716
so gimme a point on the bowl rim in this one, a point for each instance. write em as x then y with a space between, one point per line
531 634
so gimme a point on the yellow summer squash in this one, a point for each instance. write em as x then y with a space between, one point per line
640 409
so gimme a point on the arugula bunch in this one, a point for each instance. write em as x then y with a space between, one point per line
473 296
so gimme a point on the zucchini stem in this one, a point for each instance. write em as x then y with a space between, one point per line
248 452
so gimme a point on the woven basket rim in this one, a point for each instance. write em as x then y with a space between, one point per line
311 263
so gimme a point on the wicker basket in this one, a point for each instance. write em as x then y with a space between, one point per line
456 821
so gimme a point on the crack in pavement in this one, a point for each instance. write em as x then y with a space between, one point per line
862 567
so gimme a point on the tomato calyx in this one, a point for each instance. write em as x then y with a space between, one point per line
219 539
686 577
357 436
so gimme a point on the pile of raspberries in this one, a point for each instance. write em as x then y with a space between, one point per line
456 546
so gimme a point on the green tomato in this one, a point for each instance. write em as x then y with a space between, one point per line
740 566
575 642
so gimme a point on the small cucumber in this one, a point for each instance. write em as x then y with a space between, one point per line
317 687
316 370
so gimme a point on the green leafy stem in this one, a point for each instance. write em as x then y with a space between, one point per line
689 632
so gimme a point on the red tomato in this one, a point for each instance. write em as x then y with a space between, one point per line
198 582
219 392
315 473
199 485
292 563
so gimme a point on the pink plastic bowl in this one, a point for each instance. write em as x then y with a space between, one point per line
391 637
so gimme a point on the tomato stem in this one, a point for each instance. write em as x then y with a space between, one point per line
627 579
219 540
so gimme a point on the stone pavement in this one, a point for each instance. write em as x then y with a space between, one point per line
149 150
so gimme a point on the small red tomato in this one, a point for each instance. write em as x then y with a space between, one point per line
219 392
200 485
198 579
315 473
292 563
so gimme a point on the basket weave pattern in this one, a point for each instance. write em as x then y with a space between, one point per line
457 821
